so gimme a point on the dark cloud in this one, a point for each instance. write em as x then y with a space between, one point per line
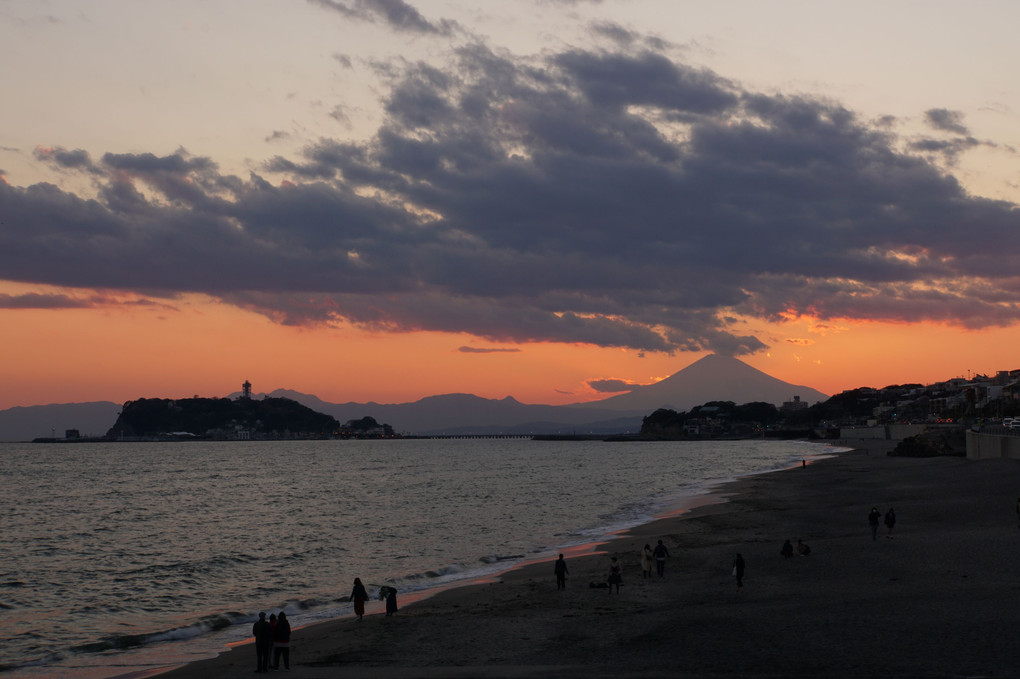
946 120
616 198
487 350
610 386
42 301
396 14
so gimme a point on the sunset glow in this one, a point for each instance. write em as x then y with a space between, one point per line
542 200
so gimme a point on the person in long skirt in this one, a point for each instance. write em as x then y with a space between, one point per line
646 561
359 596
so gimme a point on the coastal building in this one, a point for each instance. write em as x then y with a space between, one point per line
246 390
794 405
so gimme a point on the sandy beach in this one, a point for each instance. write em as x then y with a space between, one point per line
937 598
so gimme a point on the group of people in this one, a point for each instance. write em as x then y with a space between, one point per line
272 637
614 578
874 516
787 549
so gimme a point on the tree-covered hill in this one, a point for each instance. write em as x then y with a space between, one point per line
222 418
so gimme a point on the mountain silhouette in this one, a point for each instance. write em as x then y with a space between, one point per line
24 423
712 378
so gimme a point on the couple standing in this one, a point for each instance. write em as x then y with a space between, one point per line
658 555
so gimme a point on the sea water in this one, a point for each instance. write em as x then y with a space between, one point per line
124 557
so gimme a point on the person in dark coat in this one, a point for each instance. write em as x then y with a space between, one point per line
660 553
787 549
873 517
263 634
561 573
738 571
281 642
390 594
890 521
359 595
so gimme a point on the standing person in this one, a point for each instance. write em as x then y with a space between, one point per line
890 521
873 517
263 634
738 571
646 561
359 596
281 642
391 601
660 553
561 573
615 575
786 550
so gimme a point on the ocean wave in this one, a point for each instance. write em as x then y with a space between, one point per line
123 642
496 558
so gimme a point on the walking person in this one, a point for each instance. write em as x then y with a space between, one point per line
873 518
660 553
738 571
890 521
359 596
646 561
615 575
281 642
263 634
561 573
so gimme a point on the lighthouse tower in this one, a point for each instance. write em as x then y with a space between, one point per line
246 390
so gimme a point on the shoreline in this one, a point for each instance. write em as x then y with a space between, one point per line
850 609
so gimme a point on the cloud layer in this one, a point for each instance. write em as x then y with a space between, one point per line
616 197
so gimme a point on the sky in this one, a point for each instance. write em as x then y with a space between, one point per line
554 200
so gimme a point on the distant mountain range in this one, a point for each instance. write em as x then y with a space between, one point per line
712 378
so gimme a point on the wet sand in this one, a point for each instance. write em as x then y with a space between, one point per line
939 598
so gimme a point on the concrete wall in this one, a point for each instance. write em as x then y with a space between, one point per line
863 433
986 446
889 432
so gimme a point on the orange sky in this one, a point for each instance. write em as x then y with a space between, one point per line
193 346
585 175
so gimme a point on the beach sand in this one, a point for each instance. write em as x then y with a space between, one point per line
937 599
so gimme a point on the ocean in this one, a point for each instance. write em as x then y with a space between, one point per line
125 558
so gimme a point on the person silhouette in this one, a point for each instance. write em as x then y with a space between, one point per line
390 595
660 553
263 633
615 575
890 521
647 558
873 517
281 642
738 571
560 569
359 596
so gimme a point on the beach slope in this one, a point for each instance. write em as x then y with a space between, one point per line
937 598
